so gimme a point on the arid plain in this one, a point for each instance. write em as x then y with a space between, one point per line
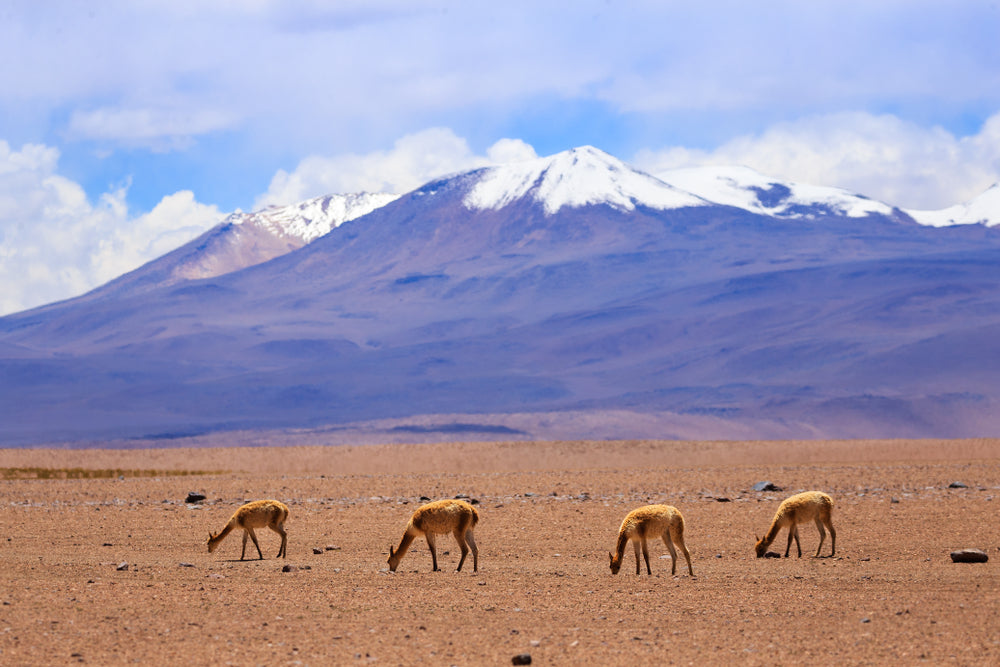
113 569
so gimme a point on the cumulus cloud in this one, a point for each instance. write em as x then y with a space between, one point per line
412 161
55 243
879 156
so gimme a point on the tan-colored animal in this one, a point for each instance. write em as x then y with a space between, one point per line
258 514
438 518
653 521
800 508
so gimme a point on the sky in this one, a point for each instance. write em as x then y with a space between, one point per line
129 127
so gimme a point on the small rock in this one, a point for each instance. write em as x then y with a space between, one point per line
866 620
122 566
424 499
723 499
332 547
185 564
193 497
289 568
766 486
957 485
771 554
521 659
969 556
317 551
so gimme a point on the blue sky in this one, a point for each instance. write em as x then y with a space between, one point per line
126 128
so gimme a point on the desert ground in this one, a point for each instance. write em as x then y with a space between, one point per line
105 563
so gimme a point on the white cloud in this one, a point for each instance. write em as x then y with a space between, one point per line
412 161
159 129
55 244
879 156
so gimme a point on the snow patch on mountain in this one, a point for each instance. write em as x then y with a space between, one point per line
579 177
745 188
984 210
308 220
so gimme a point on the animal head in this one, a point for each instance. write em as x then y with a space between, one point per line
392 561
760 548
615 564
212 543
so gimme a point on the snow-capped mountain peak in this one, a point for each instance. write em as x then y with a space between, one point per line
745 188
578 177
310 219
984 209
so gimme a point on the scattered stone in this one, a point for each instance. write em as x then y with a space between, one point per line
317 550
193 497
473 501
289 568
957 485
969 556
186 565
723 499
771 554
766 486
521 659
424 499
461 496
866 620
107 544
894 500
332 547
122 566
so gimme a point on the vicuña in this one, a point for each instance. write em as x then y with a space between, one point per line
258 514
800 508
438 518
651 521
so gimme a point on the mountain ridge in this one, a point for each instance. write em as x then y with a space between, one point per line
706 319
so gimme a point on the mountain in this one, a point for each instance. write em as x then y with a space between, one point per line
983 210
745 188
246 239
565 297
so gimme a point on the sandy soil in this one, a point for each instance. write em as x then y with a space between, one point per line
549 515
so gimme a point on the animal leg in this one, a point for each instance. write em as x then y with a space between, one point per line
673 553
791 535
430 545
635 545
253 536
460 538
475 550
822 535
798 545
280 530
645 555
244 552
678 537
833 538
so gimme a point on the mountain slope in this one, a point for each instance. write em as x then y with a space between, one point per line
247 239
576 287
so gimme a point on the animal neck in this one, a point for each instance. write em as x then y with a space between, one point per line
620 547
772 532
222 534
404 546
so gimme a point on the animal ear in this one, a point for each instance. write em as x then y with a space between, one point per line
391 552
610 557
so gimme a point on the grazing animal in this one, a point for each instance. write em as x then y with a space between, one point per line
651 521
800 508
258 514
438 518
